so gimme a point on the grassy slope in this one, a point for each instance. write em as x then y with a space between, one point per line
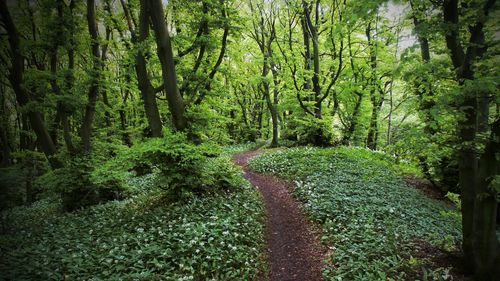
208 237
370 217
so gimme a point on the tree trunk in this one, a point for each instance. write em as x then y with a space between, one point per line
375 94
16 73
164 48
307 44
69 83
4 142
312 29
486 246
148 94
354 120
467 163
274 107
480 244
86 128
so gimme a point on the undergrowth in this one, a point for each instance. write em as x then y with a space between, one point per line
370 218
206 236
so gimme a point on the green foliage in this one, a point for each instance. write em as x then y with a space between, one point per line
182 167
230 150
203 125
215 237
74 184
369 216
16 181
220 173
12 186
309 130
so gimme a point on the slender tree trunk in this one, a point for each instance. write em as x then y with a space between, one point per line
123 115
105 100
375 94
467 163
6 150
69 83
86 128
354 120
313 33
274 107
164 46
307 43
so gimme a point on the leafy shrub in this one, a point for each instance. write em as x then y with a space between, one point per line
182 167
309 130
74 184
207 124
220 173
369 216
12 187
16 181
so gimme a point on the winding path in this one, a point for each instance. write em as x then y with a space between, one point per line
293 248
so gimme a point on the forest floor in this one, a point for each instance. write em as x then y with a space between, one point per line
294 251
373 218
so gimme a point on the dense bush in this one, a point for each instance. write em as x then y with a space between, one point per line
74 184
309 130
17 181
12 186
182 167
370 218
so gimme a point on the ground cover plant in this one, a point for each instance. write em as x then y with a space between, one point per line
209 236
370 218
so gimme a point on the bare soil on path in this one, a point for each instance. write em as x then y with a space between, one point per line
294 251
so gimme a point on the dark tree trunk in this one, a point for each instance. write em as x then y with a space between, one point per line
486 246
86 128
480 244
147 91
313 33
6 150
16 72
69 83
307 44
164 48
372 138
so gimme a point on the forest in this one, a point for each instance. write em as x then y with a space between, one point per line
249 140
